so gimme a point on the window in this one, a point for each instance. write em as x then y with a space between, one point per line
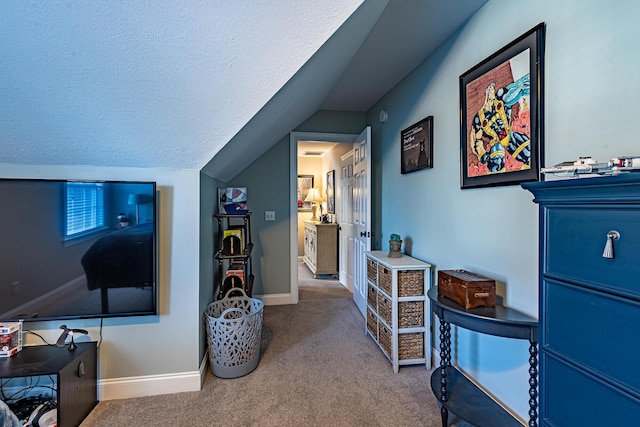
85 208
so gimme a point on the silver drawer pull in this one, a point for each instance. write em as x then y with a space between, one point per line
608 247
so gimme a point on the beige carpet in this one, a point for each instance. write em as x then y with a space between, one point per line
317 368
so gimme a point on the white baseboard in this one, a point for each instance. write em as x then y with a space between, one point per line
203 367
435 358
275 299
124 388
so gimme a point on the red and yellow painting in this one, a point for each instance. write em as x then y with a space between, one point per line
498 119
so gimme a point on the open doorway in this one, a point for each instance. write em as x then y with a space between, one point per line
316 145
318 244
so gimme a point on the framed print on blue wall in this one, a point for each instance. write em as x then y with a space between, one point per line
417 146
501 115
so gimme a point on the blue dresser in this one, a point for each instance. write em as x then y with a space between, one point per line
589 320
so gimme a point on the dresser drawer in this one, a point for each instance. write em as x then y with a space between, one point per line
575 398
575 242
592 329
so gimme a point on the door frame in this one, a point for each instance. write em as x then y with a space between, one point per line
294 138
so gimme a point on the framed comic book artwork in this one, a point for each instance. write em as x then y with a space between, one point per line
501 115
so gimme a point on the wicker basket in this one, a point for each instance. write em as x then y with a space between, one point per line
411 314
410 346
372 270
384 279
372 296
234 330
385 339
372 324
410 283
384 308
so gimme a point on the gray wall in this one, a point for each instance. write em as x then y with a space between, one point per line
267 182
592 58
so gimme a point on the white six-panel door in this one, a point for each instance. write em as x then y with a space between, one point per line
346 264
361 205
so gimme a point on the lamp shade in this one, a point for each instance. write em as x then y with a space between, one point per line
313 196
136 199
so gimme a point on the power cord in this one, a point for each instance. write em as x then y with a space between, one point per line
38 335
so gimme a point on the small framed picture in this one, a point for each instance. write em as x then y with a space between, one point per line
305 183
416 145
331 196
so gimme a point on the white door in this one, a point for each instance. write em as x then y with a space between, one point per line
361 216
345 201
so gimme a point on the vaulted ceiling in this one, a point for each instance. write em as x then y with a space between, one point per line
195 84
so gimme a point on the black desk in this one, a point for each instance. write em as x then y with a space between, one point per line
454 391
75 371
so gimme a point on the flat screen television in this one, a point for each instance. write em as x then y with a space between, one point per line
77 249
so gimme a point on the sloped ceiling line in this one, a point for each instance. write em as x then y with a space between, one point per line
197 85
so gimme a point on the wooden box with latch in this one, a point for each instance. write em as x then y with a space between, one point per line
466 288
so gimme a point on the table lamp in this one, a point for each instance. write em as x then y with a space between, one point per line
314 197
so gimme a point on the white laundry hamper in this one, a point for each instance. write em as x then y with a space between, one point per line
234 326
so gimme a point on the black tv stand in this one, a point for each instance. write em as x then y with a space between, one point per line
75 373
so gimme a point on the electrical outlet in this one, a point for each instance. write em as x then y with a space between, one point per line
269 215
16 287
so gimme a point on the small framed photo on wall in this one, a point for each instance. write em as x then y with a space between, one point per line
305 183
416 145
331 196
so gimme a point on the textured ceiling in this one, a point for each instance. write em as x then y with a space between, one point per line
160 83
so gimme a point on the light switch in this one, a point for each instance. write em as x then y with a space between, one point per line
269 215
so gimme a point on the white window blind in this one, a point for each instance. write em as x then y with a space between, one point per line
85 208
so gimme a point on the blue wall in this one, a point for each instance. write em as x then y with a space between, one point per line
592 58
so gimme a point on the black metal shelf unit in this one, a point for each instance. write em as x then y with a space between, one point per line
234 253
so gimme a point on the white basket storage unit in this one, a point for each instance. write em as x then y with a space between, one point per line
398 311
234 329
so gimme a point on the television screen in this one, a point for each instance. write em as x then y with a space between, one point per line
77 249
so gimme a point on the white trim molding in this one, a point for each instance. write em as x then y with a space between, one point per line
151 385
275 299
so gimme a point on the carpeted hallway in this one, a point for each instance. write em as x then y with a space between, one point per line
317 368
